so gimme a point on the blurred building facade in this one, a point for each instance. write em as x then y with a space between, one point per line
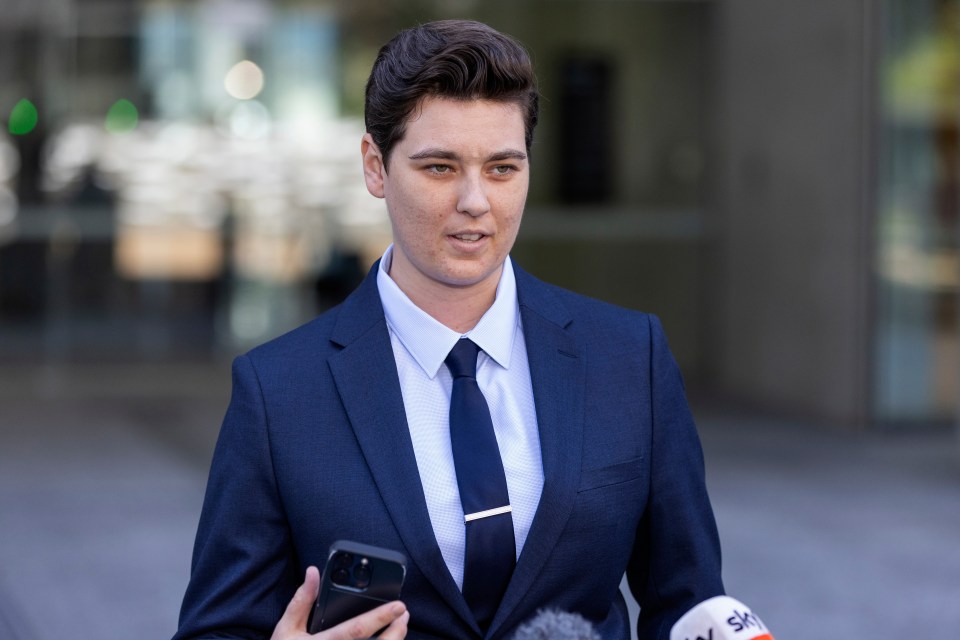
777 180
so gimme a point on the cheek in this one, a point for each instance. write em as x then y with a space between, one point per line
416 224
514 200
420 203
514 213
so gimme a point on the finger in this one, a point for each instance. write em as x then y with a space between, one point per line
397 629
365 625
298 610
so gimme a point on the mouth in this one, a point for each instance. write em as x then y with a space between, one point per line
469 237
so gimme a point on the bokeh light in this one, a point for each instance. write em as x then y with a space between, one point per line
9 160
8 208
249 120
23 118
122 117
244 80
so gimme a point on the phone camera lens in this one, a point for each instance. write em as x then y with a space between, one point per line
340 577
361 577
343 560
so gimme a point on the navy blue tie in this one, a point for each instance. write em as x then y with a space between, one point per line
490 548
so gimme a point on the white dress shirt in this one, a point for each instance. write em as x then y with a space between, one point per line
420 345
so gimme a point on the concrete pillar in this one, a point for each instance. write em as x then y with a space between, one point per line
791 327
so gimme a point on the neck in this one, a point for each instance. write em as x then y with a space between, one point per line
458 308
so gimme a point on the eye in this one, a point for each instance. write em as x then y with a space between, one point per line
503 169
439 169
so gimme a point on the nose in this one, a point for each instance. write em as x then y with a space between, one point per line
472 197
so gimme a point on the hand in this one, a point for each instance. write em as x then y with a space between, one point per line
293 624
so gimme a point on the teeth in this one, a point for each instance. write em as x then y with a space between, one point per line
468 237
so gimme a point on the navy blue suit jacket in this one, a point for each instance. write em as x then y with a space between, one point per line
315 447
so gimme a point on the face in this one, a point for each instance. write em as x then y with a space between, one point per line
455 189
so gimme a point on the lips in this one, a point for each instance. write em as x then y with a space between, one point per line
468 237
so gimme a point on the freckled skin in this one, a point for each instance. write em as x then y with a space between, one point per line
461 168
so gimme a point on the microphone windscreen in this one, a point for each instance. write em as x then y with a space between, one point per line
720 618
550 624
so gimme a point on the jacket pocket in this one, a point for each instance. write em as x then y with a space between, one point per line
610 475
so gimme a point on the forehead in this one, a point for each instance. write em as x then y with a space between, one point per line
482 124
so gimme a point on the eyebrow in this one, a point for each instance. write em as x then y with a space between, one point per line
444 154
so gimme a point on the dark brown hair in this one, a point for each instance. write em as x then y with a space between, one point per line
458 59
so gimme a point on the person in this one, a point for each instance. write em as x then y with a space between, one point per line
354 427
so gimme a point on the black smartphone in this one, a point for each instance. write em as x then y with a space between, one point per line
357 578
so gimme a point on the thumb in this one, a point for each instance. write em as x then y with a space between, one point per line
295 618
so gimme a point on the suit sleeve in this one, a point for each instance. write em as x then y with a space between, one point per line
676 558
244 571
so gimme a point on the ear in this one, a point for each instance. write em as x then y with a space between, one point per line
374 168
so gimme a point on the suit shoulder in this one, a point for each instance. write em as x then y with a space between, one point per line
359 312
581 309
309 339
602 308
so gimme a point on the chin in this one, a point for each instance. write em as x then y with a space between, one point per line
467 278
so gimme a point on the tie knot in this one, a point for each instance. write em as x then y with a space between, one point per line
462 359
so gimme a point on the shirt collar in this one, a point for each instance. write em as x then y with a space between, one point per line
429 341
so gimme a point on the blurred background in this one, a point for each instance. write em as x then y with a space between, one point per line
779 181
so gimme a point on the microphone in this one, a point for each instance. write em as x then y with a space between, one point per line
720 618
550 624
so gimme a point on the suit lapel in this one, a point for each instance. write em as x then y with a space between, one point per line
557 374
366 377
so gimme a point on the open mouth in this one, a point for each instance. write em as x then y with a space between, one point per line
468 237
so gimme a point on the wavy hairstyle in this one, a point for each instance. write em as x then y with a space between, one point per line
456 59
